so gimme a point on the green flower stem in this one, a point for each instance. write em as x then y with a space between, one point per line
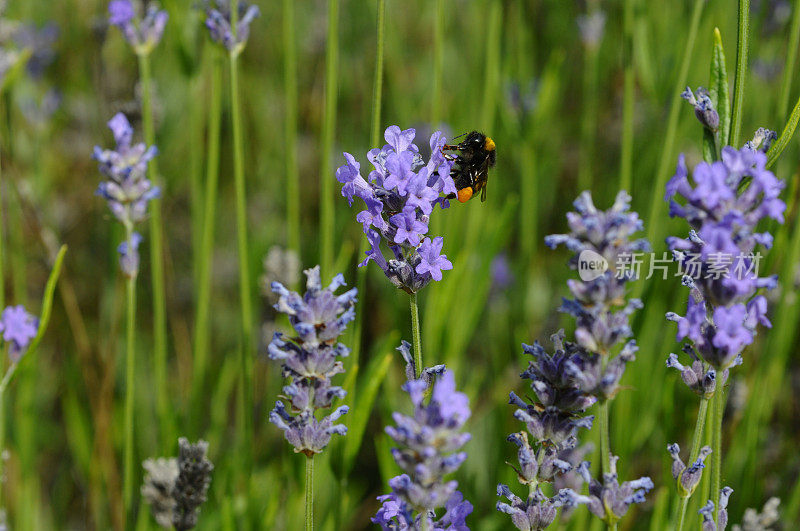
201 331
245 358
628 97
2 218
716 446
656 212
156 260
438 47
3 385
310 493
130 380
415 335
374 137
741 72
591 66
605 447
326 218
695 451
290 128
791 62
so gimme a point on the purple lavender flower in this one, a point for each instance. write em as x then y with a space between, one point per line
129 255
143 35
127 190
426 443
762 140
599 305
703 108
608 500
718 258
218 22
687 478
40 42
707 511
319 317
533 514
400 194
18 328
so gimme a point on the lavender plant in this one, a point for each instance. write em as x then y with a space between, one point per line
21 333
425 453
310 360
719 260
127 191
175 488
597 361
143 27
230 28
552 422
400 194
716 520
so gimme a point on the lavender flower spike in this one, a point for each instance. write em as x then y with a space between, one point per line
127 190
318 317
18 328
608 500
191 486
218 22
400 194
687 478
143 34
707 511
426 443
719 257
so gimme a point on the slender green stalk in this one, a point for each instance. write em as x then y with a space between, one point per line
2 217
246 387
290 128
741 72
326 218
438 45
791 62
156 259
628 95
310 493
695 451
666 161
605 446
374 136
3 429
130 380
415 335
716 445
589 114
201 331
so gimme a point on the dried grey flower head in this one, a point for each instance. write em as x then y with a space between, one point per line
763 521
159 482
191 486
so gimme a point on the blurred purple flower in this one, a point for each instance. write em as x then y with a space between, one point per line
400 194
127 190
18 328
218 22
318 317
143 35
129 255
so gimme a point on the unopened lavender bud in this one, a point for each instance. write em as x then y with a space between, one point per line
703 108
687 478
762 140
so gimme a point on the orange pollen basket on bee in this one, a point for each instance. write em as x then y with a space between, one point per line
488 145
465 194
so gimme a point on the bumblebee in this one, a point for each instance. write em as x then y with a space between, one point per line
475 155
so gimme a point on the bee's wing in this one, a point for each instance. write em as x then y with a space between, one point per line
484 173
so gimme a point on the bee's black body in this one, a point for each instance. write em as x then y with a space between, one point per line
476 154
